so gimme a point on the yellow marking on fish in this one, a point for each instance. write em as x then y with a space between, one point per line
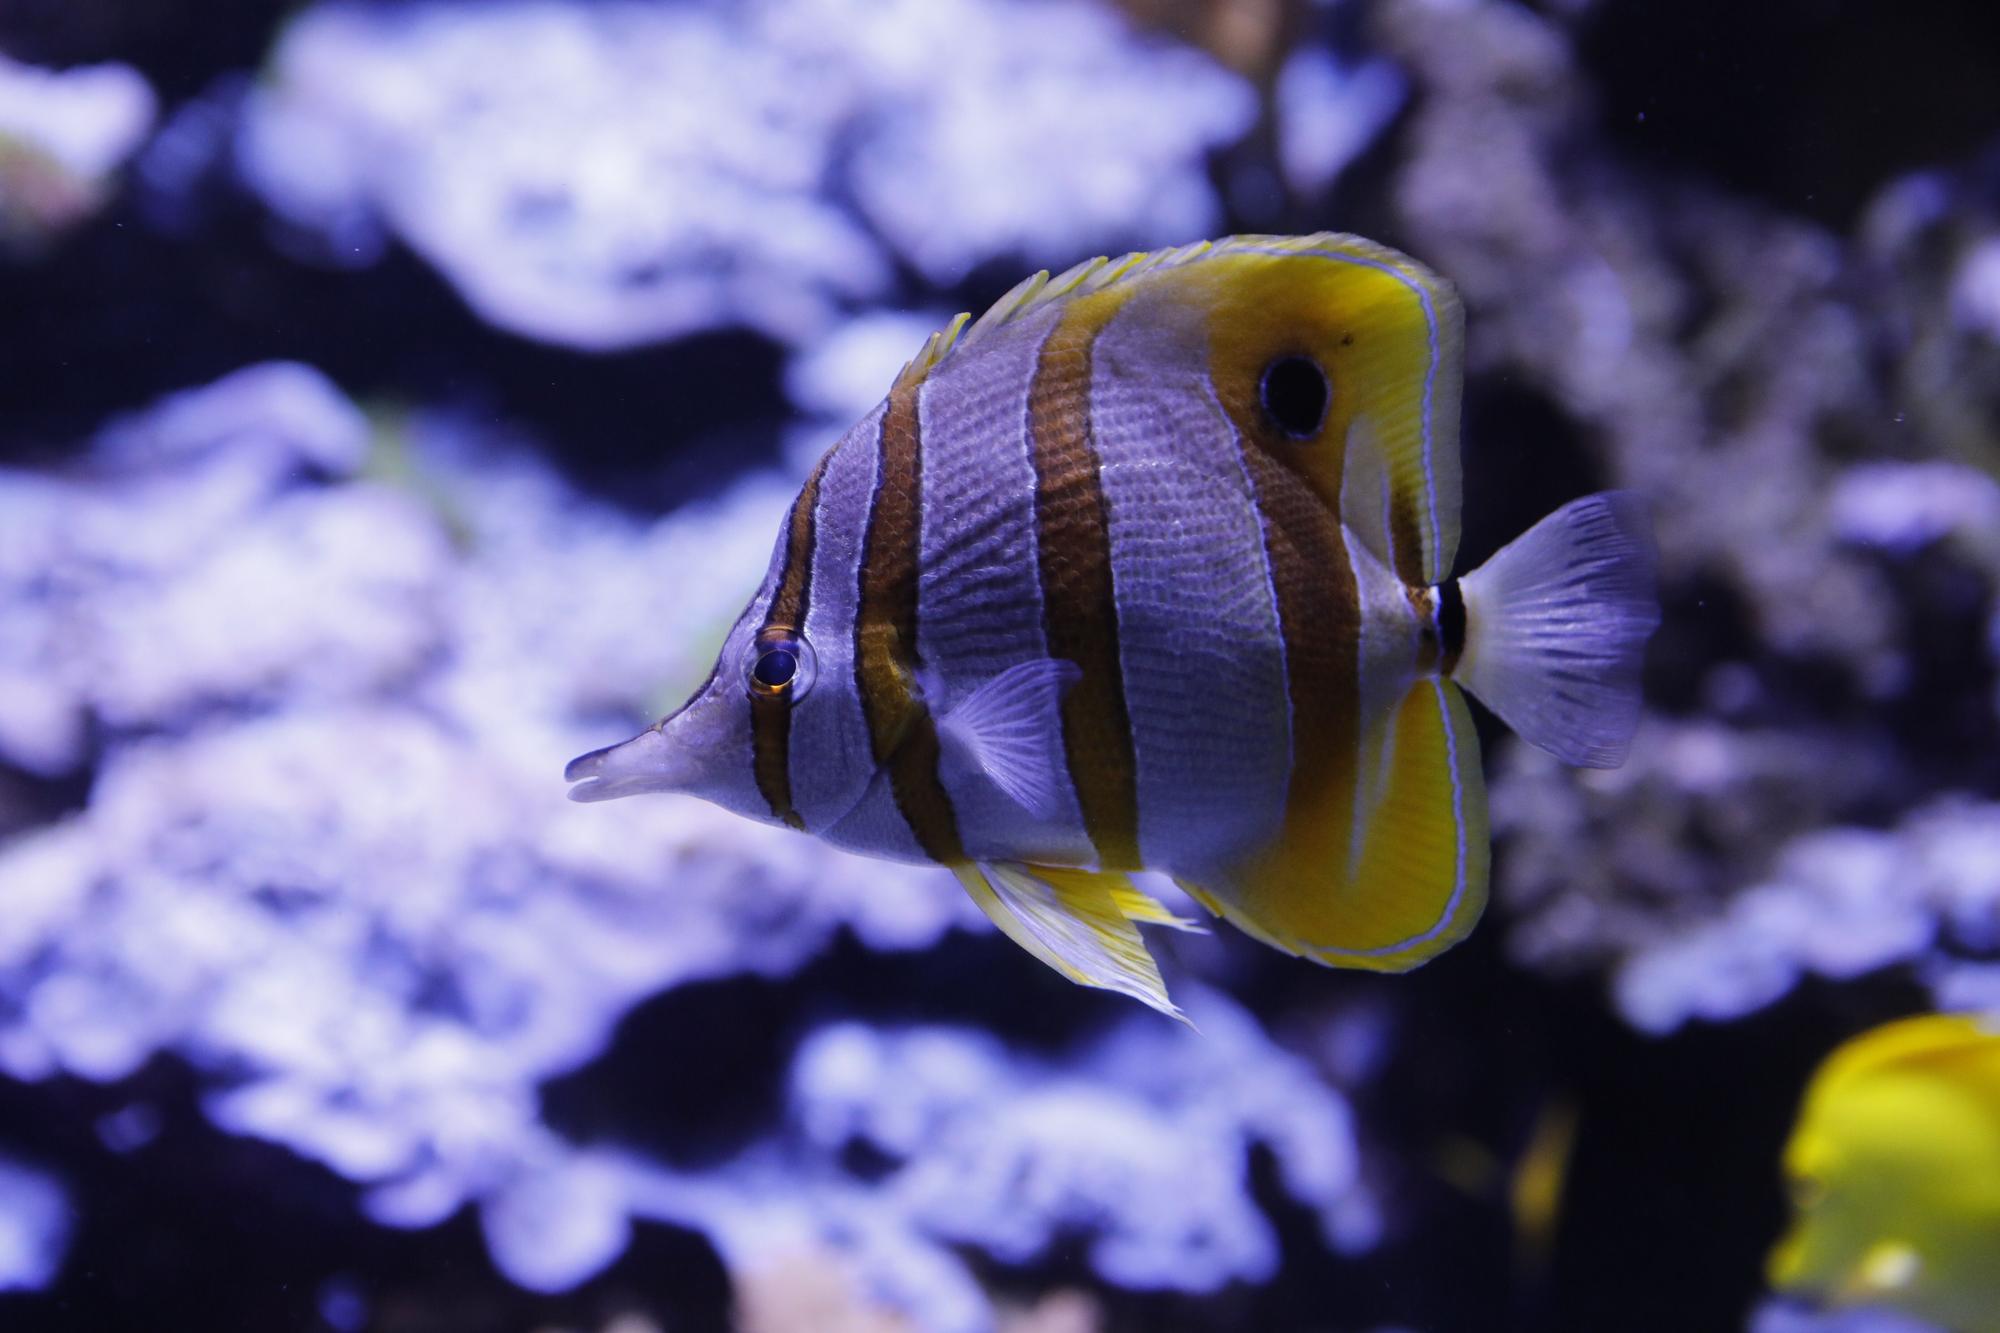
1420 881
1138 905
1387 335
1894 1168
1319 619
1074 921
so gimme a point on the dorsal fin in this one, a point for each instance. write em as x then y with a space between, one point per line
935 349
1027 296
1039 291
1095 275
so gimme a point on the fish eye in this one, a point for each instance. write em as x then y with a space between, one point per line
779 665
775 668
1294 393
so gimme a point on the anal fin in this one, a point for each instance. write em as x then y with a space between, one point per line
1412 879
1142 907
1082 923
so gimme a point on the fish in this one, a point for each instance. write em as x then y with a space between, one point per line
1149 569
1894 1173
1541 1175
1532 1186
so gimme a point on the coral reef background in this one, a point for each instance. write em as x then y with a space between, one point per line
397 399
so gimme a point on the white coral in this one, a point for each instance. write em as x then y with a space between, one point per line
327 856
35 1225
1840 902
609 174
1136 1145
62 135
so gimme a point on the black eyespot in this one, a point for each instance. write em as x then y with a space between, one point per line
779 664
775 669
1295 392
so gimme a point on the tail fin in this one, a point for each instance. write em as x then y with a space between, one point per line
1556 624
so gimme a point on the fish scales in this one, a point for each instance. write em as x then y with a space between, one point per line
980 606
1210 713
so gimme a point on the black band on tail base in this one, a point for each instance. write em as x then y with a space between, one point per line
1451 625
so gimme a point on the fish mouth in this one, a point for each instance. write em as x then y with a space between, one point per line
583 772
643 764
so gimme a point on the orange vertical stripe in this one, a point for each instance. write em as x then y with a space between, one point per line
771 716
1319 619
1079 605
902 732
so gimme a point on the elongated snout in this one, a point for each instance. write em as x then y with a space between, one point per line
696 751
647 762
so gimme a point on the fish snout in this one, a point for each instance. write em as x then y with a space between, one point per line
647 762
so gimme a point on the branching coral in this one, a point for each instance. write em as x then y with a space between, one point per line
904 1145
659 169
326 857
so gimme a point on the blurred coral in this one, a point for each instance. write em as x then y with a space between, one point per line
658 169
325 855
63 135
806 1292
35 1227
904 1144
1839 902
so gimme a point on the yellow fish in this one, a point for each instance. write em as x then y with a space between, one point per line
1894 1168
1149 568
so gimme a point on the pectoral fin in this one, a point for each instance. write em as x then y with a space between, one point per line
1079 922
1011 728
